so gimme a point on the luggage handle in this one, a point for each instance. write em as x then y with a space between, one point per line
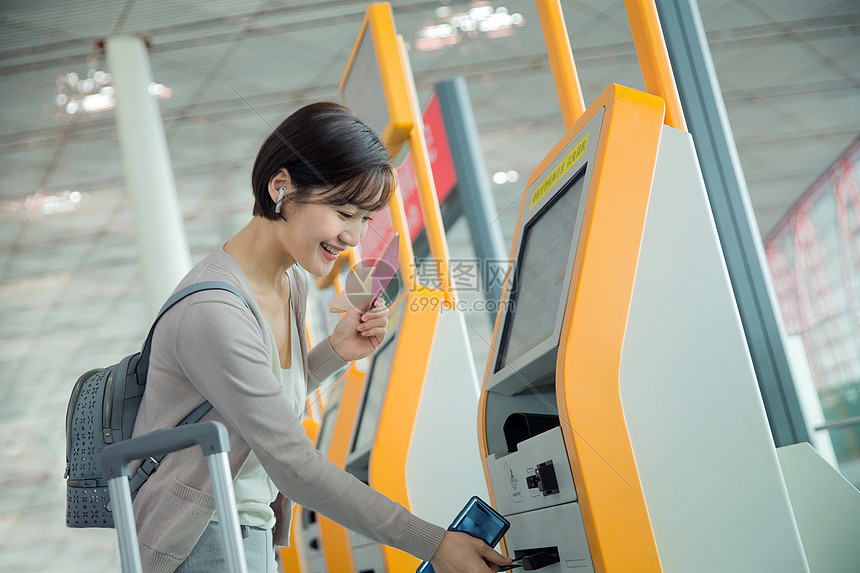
210 436
213 439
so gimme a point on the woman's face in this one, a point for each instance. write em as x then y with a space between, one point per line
317 233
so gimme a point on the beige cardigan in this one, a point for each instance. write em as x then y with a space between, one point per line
210 347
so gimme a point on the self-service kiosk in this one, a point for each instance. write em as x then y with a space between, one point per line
414 436
621 425
367 554
311 538
335 553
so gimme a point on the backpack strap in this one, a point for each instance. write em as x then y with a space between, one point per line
151 464
143 364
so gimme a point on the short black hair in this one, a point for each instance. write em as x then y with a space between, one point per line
332 157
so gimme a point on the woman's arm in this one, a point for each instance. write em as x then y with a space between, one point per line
323 361
222 351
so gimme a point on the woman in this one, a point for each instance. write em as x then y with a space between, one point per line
317 180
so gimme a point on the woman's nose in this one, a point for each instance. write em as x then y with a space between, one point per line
352 234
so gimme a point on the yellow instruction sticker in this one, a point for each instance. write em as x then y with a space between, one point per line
559 171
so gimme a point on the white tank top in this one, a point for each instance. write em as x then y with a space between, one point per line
253 488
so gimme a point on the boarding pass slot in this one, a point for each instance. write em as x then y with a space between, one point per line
537 475
554 538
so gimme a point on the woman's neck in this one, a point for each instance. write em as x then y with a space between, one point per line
261 254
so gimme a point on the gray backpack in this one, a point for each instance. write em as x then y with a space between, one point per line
102 410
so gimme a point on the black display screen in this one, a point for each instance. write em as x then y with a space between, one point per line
374 394
538 285
327 430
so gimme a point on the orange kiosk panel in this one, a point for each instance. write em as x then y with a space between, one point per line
581 217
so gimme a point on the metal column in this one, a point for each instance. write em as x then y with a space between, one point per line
727 191
160 232
473 185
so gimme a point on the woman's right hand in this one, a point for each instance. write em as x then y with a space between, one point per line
462 553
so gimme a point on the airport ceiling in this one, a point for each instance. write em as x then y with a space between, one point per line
70 288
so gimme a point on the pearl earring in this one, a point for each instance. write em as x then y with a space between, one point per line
281 192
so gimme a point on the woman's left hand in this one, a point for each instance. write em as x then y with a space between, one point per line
360 331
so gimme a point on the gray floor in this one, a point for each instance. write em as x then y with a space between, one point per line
33 535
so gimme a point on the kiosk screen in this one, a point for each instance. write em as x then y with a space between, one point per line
374 394
546 245
327 430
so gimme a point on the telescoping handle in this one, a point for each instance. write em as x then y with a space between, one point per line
213 440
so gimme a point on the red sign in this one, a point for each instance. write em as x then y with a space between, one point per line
380 229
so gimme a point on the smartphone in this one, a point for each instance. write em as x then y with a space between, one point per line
479 520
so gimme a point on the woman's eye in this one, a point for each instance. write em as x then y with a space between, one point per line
368 219
345 215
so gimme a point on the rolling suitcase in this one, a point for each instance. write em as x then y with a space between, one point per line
116 465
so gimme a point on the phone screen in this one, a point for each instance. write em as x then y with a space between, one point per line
479 520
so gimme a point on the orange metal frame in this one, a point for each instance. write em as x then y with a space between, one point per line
379 22
400 408
654 59
405 124
588 392
414 319
335 538
433 224
561 60
650 49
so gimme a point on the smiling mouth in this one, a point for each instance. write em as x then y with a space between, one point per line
330 249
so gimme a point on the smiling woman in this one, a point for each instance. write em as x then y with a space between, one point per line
318 179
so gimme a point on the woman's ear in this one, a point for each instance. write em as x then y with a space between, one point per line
279 187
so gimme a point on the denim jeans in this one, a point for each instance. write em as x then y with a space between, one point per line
208 555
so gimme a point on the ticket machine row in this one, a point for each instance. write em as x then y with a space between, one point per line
406 427
619 423
619 426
